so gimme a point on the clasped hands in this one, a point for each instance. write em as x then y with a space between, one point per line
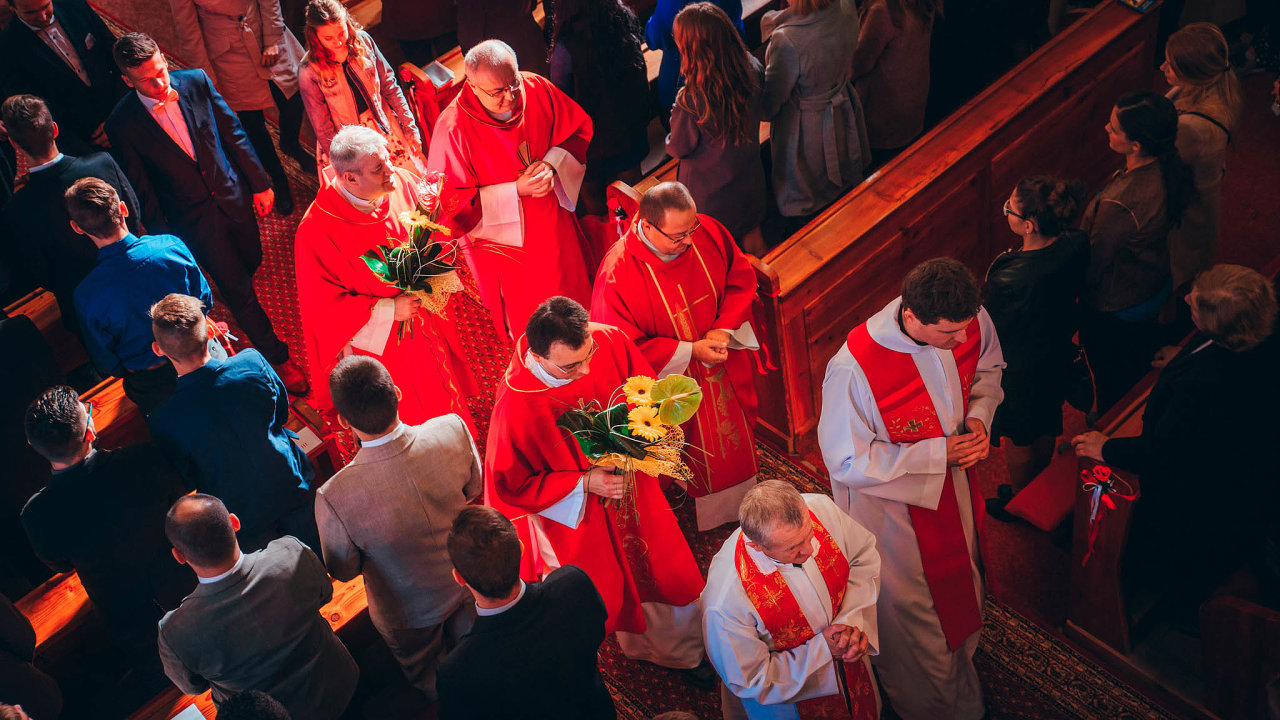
965 451
847 643
535 180
713 348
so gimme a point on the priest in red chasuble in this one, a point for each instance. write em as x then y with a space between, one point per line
348 309
906 407
536 475
678 286
790 610
515 145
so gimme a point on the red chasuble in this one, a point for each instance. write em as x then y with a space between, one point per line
474 150
910 416
337 292
787 626
632 556
659 304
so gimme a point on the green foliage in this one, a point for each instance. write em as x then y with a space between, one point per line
408 267
600 432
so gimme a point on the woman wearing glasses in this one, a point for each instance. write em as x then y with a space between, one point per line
345 80
1031 294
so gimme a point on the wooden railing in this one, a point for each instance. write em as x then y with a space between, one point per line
942 196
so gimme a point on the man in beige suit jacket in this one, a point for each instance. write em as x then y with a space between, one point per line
387 515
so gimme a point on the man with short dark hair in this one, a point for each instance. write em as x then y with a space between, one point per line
253 622
537 475
679 287
197 176
61 51
906 404
532 652
113 299
46 252
102 515
387 513
223 428
791 609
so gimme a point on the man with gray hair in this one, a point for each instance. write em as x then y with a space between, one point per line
514 145
790 609
678 286
347 309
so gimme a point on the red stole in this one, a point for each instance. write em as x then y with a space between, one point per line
909 416
786 624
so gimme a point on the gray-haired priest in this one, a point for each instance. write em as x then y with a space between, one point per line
790 610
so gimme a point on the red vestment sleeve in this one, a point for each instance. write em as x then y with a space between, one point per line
332 313
609 307
740 285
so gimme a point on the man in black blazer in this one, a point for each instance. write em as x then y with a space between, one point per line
44 250
61 51
198 178
102 515
532 651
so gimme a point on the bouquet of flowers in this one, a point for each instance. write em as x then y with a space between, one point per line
639 433
426 264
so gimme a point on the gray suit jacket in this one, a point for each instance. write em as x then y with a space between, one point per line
387 514
260 629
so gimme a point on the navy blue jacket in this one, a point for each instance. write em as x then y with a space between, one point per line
223 429
179 195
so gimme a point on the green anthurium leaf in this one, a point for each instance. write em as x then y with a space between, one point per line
678 398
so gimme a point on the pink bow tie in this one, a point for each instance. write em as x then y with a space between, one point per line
163 103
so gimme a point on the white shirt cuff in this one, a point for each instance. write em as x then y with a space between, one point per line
744 338
373 337
569 174
501 217
570 509
679 360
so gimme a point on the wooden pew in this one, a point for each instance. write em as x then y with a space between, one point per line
42 308
347 608
942 196
1241 655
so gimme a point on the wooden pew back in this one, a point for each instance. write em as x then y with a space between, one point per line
42 308
942 196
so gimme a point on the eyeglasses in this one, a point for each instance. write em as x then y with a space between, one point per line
568 369
682 236
1009 211
514 89
88 422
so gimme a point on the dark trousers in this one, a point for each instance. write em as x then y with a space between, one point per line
230 251
1119 352
255 126
149 388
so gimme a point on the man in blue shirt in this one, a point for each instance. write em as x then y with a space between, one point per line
131 273
223 428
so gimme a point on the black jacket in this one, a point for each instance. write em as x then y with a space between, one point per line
104 518
28 65
536 660
47 252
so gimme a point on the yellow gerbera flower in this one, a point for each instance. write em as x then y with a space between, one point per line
639 390
646 424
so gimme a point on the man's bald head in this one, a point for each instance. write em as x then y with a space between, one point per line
663 197
490 55
200 528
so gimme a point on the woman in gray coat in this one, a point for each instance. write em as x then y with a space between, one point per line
819 138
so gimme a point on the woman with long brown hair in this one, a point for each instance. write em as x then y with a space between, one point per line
715 123
345 80
1207 96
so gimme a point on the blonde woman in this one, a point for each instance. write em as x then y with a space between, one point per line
1207 97
345 80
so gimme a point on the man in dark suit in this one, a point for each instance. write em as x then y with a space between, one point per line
197 177
253 622
61 51
223 427
102 515
559 621
47 252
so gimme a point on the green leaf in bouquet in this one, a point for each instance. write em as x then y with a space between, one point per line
618 425
678 398
376 263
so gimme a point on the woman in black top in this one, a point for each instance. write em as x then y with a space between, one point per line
1031 294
